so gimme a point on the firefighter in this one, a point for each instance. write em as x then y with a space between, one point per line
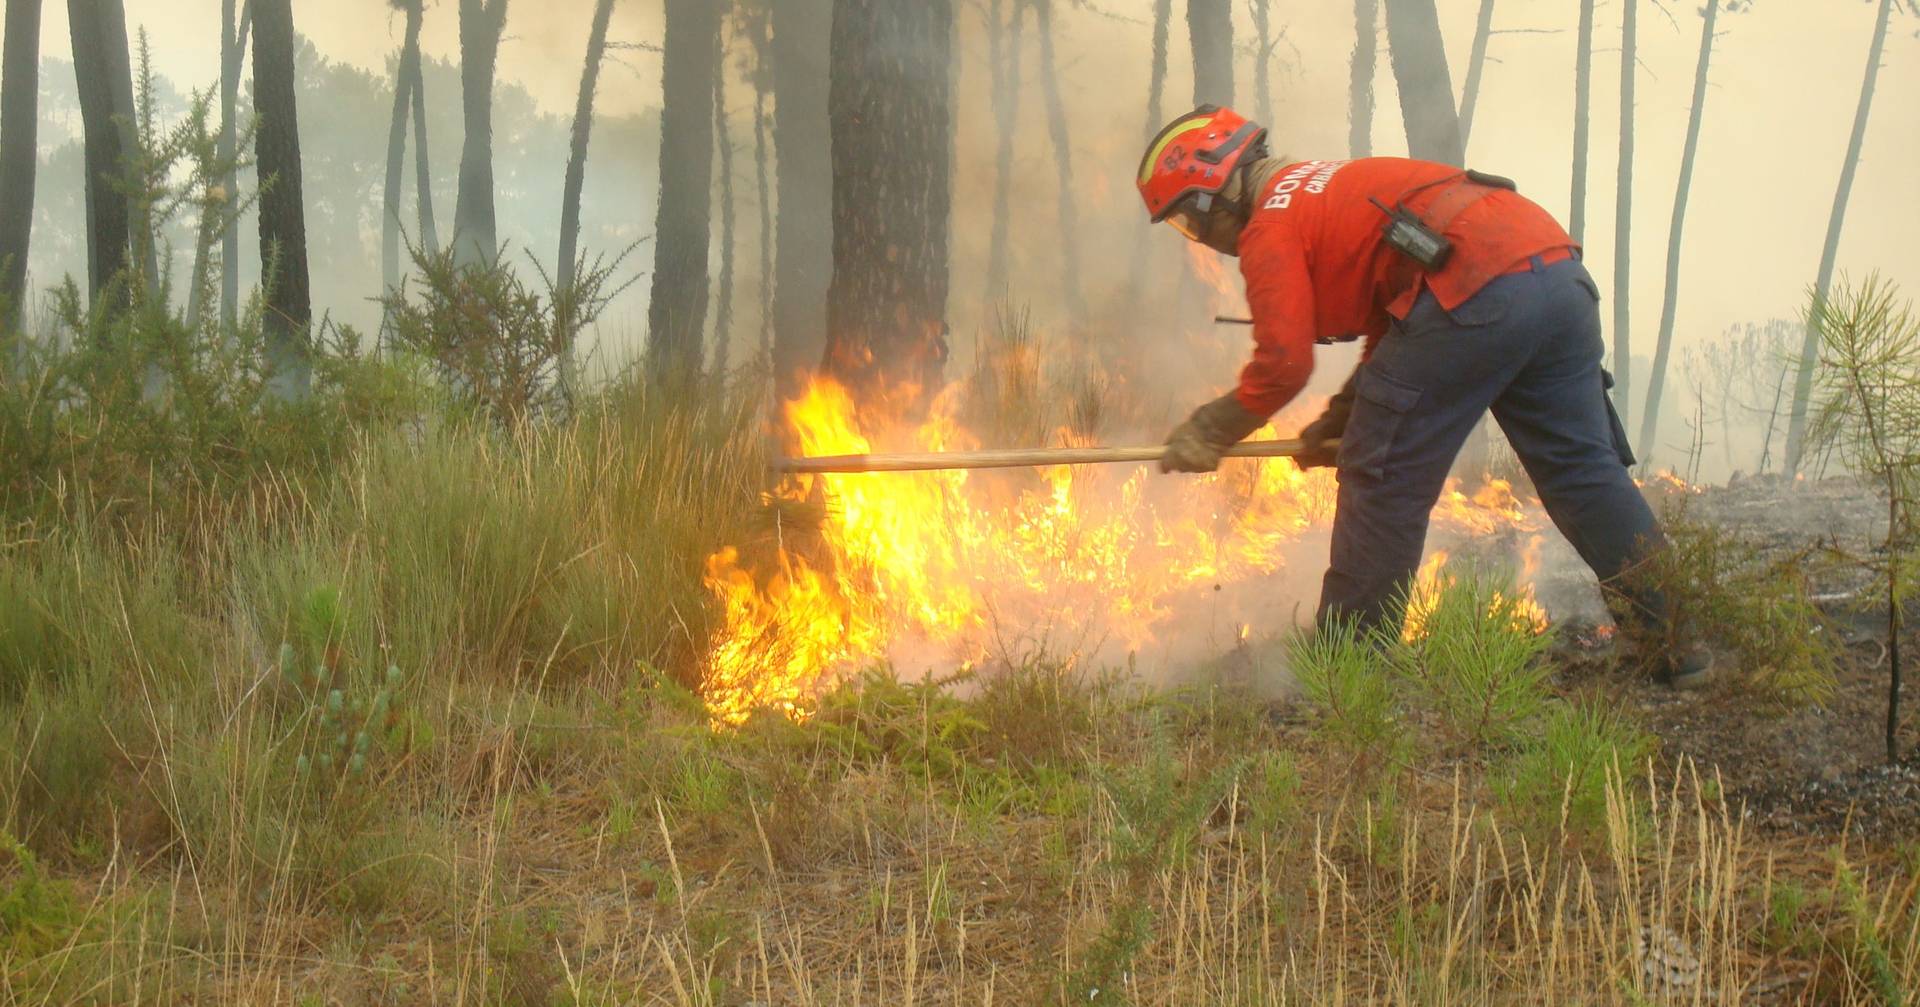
1469 296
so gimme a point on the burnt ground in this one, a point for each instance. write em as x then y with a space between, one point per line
1812 770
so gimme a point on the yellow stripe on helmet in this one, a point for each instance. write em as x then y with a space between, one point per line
1174 132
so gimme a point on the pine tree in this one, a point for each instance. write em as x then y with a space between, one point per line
19 157
892 132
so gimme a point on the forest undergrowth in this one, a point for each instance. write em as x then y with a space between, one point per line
384 698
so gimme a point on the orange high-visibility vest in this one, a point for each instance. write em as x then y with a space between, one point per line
1316 266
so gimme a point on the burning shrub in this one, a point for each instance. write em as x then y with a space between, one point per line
1473 647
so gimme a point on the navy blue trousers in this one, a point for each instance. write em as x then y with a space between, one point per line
1528 347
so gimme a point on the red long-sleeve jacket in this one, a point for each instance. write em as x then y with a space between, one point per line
1316 265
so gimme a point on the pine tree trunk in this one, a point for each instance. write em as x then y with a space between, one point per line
422 167
761 71
397 155
569 253
1830 253
233 54
1069 249
568 256
803 189
677 312
723 147
886 306
1365 63
127 118
1582 104
109 212
1262 82
1649 424
1476 66
283 227
1157 82
1210 29
1003 40
1419 57
19 157
475 237
1156 95
1623 218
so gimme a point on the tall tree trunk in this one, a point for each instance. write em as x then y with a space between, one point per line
422 167
1476 66
762 42
1419 57
397 153
134 127
475 238
1262 83
1210 30
1366 49
96 65
1003 40
1157 82
886 306
569 253
1582 102
577 149
1623 217
19 156
233 55
677 312
283 222
803 189
1156 95
1830 253
1076 301
723 147
1649 424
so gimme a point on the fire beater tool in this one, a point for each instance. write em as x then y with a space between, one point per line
934 461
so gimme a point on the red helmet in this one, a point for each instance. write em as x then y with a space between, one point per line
1196 155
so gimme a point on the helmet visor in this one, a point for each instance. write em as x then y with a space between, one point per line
1187 218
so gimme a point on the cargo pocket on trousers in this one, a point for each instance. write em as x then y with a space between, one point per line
1621 446
1379 410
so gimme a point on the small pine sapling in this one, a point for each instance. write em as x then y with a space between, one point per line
1867 391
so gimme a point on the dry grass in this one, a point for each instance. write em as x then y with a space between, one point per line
579 850
548 818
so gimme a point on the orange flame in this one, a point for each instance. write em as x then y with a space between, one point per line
1430 582
940 565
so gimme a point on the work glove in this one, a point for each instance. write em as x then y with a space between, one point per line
1197 444
1331 425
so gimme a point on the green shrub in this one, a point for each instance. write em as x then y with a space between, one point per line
1554 783
1347 680
1755 605
1476 658
1036 714
348 722
920 726
498 345
1272 791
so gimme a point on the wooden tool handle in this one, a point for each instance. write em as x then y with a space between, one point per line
1019 457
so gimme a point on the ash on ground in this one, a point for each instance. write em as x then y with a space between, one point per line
1814 770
